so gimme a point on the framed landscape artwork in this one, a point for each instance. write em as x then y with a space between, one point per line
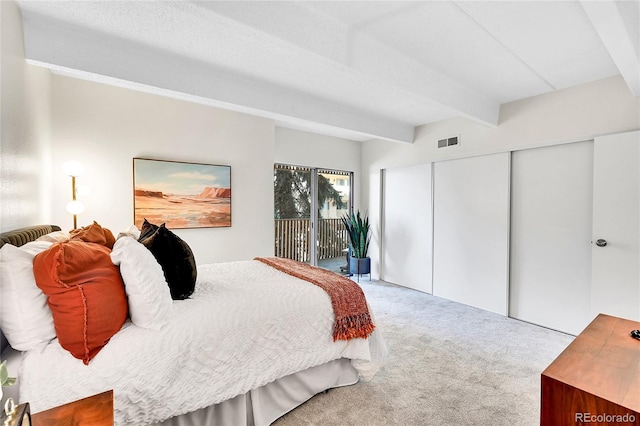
182 195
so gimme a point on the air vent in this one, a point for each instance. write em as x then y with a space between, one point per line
453 140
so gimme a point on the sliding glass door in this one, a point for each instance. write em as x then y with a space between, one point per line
308 206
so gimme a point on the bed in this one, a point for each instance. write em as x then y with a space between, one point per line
250 344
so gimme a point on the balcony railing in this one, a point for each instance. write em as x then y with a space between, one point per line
293 236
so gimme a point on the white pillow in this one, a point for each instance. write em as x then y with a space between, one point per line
131 231
148 293
55 237
25 317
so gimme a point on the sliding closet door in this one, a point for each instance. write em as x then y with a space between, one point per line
471 231
551 197
407 227
616 220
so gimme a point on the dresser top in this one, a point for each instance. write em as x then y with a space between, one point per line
603 360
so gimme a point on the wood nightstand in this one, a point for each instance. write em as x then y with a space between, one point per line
597 375
96 410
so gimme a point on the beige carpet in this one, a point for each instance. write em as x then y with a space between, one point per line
448 364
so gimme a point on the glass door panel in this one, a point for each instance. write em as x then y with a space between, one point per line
334 201
292 212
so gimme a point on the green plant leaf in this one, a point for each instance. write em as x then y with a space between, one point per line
5 380
4 374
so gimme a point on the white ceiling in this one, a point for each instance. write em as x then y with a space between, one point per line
355 69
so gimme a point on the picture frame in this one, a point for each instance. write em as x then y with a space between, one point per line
181 194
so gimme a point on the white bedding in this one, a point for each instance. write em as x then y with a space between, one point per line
246 325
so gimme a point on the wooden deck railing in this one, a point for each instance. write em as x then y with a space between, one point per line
293 236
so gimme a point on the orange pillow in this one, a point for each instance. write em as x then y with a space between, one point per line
85 294
94 233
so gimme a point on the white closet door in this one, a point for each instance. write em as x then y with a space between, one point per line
551 198
407 227
471 231
616 219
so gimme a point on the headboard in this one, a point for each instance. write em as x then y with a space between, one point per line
20 237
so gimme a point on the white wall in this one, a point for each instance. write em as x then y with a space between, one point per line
569 115
104 127
309 149
24 128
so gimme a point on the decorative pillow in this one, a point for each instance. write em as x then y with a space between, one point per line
174 256
148 228
94 233
131 231
85 293
25 317
149 297
55 237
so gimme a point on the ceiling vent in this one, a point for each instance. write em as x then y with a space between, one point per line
453 140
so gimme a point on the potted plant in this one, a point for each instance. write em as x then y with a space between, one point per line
359 237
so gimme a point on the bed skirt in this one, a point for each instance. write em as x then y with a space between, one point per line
266 404
257 407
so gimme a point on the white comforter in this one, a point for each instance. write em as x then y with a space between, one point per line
246 325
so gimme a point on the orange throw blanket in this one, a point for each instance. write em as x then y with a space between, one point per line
349 304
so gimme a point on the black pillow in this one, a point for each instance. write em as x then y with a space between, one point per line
148 228
174 256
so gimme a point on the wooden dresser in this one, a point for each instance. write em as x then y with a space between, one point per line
96 410
596 379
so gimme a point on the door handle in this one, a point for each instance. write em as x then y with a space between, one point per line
601 243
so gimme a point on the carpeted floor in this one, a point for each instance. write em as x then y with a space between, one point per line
448 364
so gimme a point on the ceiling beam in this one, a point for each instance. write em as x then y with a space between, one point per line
606 19
351 49
109 59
